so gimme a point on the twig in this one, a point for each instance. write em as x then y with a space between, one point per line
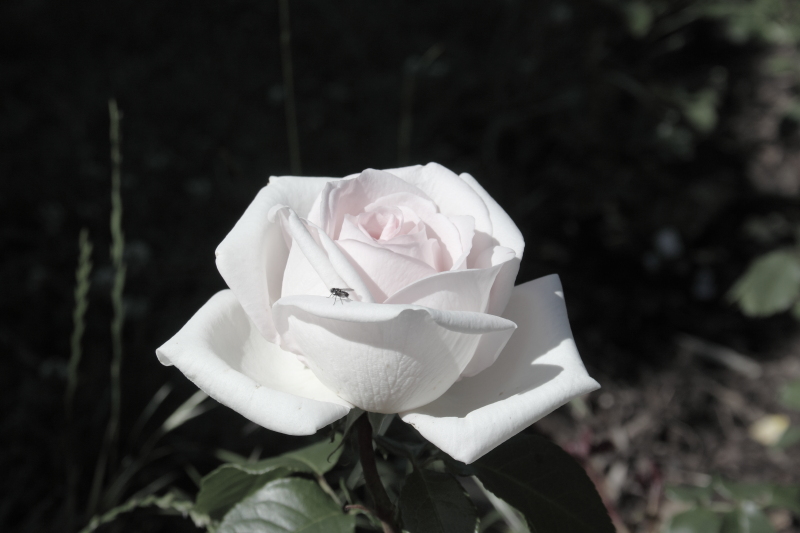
387 528
720 354
288 88
384 509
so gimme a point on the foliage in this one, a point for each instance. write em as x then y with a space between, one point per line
729 507
550 490
770 285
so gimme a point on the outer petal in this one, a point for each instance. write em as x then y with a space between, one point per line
507 235
383 358
252 257
538 371
503 228
504 283
221 351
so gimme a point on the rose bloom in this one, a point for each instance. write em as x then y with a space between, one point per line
433 329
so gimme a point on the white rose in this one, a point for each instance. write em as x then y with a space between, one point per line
433 329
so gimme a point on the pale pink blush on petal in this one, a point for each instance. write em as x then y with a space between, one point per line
384 272
333 269
454 196
351 197
443 230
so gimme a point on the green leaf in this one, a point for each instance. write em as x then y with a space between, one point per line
690 494
319 457
640 17
544 483
435 502
227 485
287 505
746 519
786 497
790 395
765 495
695 521
770 285
789 438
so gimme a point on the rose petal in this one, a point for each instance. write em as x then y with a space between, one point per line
415 245
503 285
352 196
453 196
252 257
221 351
504 231
384 272
455 235
456 290
460 290
383 358
327 260
538 371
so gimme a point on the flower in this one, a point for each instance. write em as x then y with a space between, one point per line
432 327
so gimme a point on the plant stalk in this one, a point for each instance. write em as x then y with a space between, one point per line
384 509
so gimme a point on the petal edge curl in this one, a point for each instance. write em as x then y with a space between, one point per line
222 352
538 371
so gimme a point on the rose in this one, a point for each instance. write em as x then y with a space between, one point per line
433 328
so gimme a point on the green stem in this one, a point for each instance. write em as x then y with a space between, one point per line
384 509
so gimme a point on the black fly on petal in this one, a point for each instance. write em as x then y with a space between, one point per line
340 294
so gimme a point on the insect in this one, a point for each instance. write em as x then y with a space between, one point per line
340 294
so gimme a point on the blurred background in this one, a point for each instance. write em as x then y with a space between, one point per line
648 150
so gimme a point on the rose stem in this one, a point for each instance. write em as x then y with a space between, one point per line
383 505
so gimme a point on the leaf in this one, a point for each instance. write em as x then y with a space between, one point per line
790 437
746 519
319 457
790 395
227 485
544 483
287 505
786 497
770 285
435 502
765 495
690 494
640 17
695 521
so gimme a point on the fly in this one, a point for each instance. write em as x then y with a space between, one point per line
340 294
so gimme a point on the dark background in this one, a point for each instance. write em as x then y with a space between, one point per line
633 153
